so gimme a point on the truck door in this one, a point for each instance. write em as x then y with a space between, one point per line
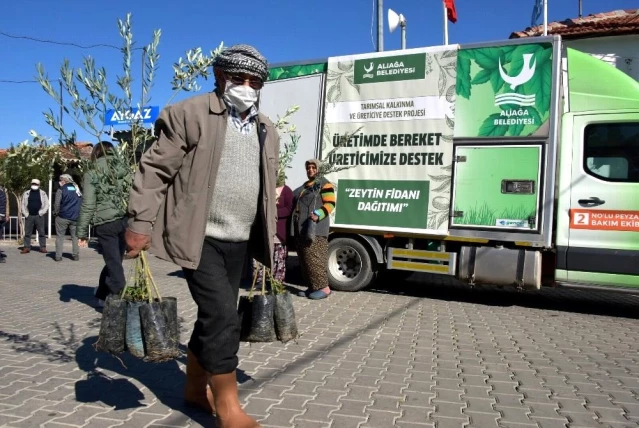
603 239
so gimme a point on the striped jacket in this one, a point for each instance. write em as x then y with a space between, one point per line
314 197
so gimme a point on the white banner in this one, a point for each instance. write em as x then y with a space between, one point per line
383 110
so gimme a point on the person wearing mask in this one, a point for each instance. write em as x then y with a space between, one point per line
107 215
3 218
315 201
35 204
204 195
66 208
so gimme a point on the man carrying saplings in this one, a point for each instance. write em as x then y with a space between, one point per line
203 196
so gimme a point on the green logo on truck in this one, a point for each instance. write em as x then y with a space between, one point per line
504 91
390 68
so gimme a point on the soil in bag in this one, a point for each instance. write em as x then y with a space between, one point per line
169 306
262 323
159 328
284 316
112 326
244 312
134 341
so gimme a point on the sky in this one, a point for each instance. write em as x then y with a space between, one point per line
283 30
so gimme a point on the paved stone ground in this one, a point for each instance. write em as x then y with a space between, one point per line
418 353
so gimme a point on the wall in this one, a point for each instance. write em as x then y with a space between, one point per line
306 92
619 51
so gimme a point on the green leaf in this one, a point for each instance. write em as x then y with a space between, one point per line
487 58
515 130
496 81
489 129
536 117
517 62
540 85
463 75
466 53
482 77
507 52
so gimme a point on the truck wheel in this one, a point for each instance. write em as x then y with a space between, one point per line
349 265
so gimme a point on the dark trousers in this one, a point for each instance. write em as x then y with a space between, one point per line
111 238
38 222
215 287
2 235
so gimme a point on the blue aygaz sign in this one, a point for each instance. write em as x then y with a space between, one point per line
135 114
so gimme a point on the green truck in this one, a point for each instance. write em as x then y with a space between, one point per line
511 163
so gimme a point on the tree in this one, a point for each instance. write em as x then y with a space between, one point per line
89 97
23 163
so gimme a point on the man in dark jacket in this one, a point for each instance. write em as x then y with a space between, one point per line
66 208
3 217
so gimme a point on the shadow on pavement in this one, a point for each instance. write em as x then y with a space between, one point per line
24 343
557 299
116 382
81 293
107 381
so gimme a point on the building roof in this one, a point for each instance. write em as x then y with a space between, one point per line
68 154
83 149
615 23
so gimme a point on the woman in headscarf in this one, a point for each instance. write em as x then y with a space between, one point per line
314 202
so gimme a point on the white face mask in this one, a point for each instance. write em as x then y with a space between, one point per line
34 187
242 97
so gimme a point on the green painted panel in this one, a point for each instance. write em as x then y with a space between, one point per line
597 85
504 91
390 68
384 203
608 279
280 73
478 186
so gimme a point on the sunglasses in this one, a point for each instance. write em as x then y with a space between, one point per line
254 83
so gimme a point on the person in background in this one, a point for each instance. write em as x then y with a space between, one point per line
66 208
203 196
101 209
3 218
35 204
284 210
314 202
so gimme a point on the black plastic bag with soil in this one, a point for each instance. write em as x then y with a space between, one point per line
244 312
262 322
134 340
160 329
113 326
284 316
